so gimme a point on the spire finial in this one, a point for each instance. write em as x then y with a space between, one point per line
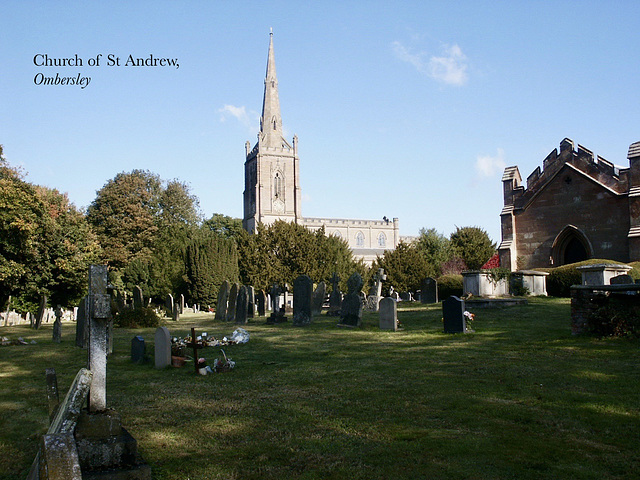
271 31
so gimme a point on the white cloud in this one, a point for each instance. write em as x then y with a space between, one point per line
450 68
239 113
488 166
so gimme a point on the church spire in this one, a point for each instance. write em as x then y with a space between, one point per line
271 121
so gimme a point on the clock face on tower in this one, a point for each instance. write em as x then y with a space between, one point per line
278 206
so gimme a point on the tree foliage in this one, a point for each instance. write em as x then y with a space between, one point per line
436 250
473 245
45 244
280 252
406 267
210 260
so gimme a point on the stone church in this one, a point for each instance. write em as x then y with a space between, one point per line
272 184
577 207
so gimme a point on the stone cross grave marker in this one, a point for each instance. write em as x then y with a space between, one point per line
388 314
302 294
453 315
376 292
162 347
100 313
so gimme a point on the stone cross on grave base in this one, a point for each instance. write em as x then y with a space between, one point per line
375 294
99 313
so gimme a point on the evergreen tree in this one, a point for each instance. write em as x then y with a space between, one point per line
473 245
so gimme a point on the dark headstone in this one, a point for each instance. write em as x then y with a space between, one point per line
351 310
169 305
223 298
82 324
242 305
251 296
429 293
176 312
453 315
57 325
138 301
621 280
233 297
302 294
277 313
261 301
335 299
405 296
388 314
318 298
138 349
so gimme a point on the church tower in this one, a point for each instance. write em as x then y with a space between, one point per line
271 169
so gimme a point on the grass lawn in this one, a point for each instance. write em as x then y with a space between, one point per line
520 398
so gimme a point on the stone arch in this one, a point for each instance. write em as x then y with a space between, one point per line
382 240
570 246
359 239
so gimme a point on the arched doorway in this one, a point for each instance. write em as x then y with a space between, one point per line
570 246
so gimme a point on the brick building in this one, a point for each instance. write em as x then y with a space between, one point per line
577 207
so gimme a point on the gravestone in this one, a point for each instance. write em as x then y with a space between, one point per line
42 310
453 315
318 298
621 280
138 300
429 293
99 314
181 304
57 325
223 297
335 299
233 298
375 293
138 349
406 296
388 314
302 293
162 347
277 313
261 301
242 305
351 310
169 305
176 312
251 298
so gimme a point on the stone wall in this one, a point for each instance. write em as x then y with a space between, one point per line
586 300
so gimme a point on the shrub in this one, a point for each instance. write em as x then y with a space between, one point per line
137 318
449 285
561 278
619 317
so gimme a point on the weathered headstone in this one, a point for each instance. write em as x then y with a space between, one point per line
42 310
242 305
375 293
138 300
181 304
318 298
453 315
261 301
621 280
233 298
351 310
429 293
277 313
162 347
82 324
335 299
251 309
138 349
176 312
223 297
57 325
302 293
169 305
388 314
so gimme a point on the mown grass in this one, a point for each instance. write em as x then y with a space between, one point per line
519 398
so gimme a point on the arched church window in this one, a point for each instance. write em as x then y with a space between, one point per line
359 239
277 186
337 234
382 240
275 123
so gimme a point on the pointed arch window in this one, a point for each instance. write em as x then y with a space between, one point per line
337 234
274 122
359 239
382 240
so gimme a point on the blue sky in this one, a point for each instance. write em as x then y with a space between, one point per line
407 109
